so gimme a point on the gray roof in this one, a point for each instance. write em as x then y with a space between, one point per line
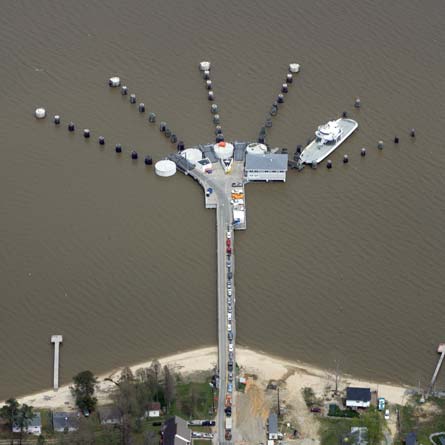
35 421
176 432
65 420
411 438
268 161
273 423
109 413
362 394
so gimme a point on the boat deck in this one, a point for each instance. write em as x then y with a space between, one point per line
315 152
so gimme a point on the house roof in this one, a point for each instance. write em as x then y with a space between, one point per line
267 161
108 413
411 438
176 432
273 423
35 421
68 420
154 406
362 394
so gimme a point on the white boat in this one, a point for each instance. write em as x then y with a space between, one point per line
328 137
227 165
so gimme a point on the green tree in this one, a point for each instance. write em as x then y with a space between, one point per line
25 415
41 440
83 391
9 412
372 420
169 387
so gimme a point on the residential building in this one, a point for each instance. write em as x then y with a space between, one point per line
358 397
34 427
272 426
109 415
154 409
65 421
175 431
266 167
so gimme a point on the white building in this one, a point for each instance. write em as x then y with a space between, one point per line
204 165
266 167
154 409
34 427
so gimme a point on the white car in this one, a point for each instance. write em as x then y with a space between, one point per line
229 292
230 347
229 327
229 316
387 414
229 235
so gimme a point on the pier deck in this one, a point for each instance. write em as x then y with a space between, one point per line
220 199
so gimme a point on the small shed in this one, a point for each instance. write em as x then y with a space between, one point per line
34 427
65 421
358 397
109 415
272 426
154 409
266 167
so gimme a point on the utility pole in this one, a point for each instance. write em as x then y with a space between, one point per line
278 392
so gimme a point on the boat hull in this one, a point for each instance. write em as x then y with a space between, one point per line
316 152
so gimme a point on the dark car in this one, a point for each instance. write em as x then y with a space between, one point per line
315 409
228 411
230 366
230 335
229 275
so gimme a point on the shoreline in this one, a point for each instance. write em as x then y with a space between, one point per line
296 375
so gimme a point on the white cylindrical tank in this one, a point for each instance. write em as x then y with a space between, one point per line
40 113
223 150
256 149
192 155
165 168
294 67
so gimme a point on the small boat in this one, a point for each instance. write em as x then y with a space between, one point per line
227 165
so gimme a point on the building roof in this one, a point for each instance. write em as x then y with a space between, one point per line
273 423
268 161
411 438
34 422
176 432
109 413
362 394
65 420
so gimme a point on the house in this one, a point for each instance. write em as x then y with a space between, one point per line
359 435
411 438
175 431
358 397
154 409
272 426
266 167
34 427
65 421
109 415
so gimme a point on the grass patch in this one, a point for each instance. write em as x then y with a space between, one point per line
194 400
333 430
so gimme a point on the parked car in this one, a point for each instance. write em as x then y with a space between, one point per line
381 404
387 414
231 347
315 409
229 250
229 388
228 411
229 316
229 285
230 336
229 309
229 234
230 366
230 275
229 292
229 327
231 355
228 243
228 262
230 376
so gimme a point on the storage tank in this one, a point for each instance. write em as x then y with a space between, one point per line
223 150
256 149
165 168
192 155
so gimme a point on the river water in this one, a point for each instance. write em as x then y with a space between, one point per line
345 265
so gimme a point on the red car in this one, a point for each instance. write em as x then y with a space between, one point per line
229 250
228 242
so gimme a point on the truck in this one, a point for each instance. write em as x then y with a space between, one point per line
228 423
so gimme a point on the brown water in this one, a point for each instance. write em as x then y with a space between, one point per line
345 264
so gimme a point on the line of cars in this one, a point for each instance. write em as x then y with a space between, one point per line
230 336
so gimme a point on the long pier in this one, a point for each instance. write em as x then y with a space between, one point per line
220 198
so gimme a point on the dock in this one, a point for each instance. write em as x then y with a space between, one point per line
56 339
441 351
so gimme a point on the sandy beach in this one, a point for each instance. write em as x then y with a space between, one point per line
296 375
